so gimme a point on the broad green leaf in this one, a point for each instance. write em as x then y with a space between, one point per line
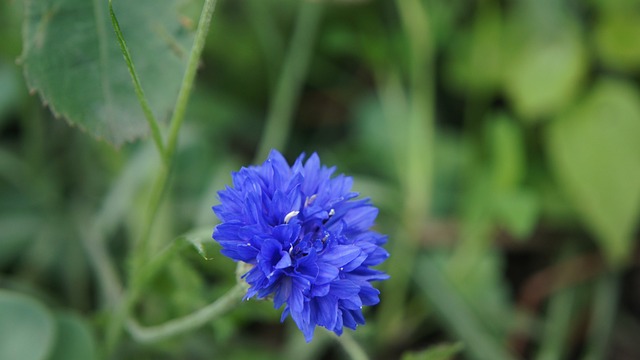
27 330
74 341
438 352
595 153
72 59
544 72
616 37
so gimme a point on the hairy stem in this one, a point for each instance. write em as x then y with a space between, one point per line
189 76
188 322
139 253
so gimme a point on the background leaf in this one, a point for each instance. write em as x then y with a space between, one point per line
595 152
438 352
74 340
456 310
616 35
27 328
72 59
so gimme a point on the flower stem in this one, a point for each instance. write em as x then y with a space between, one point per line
353 349
139 253
293 73
142 99
189 77
188 322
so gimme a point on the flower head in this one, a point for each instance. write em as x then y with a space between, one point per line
308 239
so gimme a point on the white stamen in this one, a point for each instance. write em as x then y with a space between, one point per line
310 200
290 216
332 212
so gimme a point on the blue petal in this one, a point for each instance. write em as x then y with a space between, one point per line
344 289
284 262
282 292
326 309
340 255
307 266
348 320
269 255
320 290
298 288
369 295
326 274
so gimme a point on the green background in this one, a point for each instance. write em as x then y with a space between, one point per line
500 140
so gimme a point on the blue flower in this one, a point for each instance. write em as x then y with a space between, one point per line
307 239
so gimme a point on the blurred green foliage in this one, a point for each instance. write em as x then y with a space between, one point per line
500 139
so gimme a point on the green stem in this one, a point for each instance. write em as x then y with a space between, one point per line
603 316
293 73
140 250
353 349
148 114
139 253
188 322
189 76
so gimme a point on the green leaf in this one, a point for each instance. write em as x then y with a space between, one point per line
544 73
595 153
201 240
475 58
438 352
18 231
27 328
71 57
75 342
11 88
459 311
561 316
518 211
616 36
506 142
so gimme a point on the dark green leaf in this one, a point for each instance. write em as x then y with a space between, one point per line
71 57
